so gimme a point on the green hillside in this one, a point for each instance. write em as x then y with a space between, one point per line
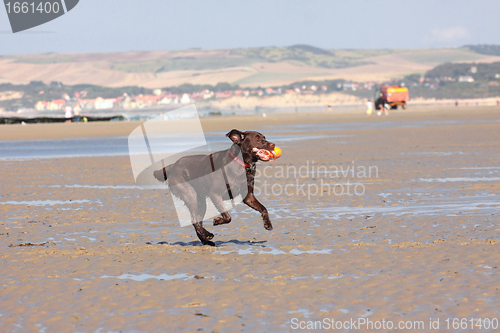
301 55
181 63
309 55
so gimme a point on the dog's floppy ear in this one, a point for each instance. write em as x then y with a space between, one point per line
236 136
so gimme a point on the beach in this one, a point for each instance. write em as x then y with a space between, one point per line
391 218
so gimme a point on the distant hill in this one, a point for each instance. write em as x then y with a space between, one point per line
300 55
462 80
246 67
485 49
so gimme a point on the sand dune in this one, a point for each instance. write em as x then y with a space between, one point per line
98 68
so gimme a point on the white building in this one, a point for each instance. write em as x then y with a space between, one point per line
101 103
466 79
185 99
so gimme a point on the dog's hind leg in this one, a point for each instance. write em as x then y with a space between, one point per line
197 207
203 234
202 209
225 218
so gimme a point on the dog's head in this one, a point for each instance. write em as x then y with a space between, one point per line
251 143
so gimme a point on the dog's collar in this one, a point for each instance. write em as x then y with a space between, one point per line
240 162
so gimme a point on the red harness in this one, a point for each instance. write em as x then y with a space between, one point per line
240 162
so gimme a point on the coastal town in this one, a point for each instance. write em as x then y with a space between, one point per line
161 97
443 82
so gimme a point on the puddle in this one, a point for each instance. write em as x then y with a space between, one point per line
305 312
297 252
249 251
185 277
41 203
102 187
485 205
145 277
475 168
460 179
367 313
439 153
273 251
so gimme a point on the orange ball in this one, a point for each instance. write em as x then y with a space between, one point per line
277 152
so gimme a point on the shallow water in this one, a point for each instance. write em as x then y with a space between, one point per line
145 277
372 125
44 202
460 179
113 146
118 146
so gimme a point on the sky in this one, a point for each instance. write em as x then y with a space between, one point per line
95 26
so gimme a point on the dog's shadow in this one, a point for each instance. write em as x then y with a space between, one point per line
217 243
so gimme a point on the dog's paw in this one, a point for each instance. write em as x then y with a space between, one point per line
268 225
218 221
209 235
207 242
221 220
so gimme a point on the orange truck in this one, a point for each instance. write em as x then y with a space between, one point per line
391 97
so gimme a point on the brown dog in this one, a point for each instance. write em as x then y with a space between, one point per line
192 179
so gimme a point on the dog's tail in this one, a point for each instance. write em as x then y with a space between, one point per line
161 174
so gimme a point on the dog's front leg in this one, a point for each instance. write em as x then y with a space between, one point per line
252 202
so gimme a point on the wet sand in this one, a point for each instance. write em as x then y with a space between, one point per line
419 240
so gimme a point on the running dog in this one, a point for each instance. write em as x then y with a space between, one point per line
192 179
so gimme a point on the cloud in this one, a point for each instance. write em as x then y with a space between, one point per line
448 35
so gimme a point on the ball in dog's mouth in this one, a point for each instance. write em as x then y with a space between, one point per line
266 155
262 154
